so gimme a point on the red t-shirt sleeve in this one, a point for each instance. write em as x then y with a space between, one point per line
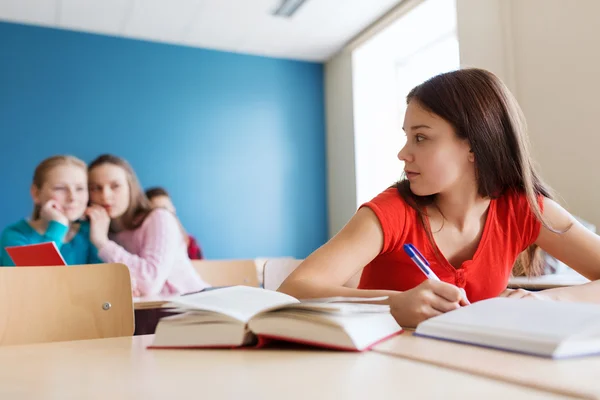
390 209
528 224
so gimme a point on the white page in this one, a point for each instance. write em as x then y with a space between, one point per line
341 299
541 319
341 308
239 302
552 279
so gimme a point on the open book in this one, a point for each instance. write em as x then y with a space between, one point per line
543 328
246 316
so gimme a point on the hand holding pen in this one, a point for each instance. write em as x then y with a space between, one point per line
420 261
429 299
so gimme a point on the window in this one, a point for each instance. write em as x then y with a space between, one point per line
421 44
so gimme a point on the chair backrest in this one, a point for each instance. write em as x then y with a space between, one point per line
260 266
227 272
51 304
276 271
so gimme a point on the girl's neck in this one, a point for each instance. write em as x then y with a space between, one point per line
462 205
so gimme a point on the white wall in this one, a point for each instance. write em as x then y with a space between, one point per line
548 52
341 177
484 37
558 81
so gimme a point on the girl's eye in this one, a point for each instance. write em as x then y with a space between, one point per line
115 186
419 138
59 188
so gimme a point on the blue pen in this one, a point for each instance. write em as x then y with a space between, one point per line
420 261
416 256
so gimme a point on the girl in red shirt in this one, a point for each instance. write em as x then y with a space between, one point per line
470 201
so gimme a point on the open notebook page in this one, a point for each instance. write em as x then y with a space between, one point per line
518 317
239 302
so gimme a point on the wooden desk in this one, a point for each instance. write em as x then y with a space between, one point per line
150 302
148 311
546 281
123 368
573 377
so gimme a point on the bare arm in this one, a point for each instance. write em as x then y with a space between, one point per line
325 271
578 247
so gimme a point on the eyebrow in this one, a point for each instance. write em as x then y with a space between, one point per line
412 128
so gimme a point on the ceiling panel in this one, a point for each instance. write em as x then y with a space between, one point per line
318 29
100 16
41 12
161 20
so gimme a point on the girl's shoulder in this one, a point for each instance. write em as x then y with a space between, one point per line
389 197
158 216
395 216
20 227
389 206
516 214
515 202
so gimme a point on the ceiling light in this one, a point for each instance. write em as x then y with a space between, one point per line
287 8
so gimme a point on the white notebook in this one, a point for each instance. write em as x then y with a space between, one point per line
543 328
243 316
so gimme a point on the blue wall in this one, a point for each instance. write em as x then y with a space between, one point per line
238 140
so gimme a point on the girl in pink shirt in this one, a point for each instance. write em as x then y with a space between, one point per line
125 229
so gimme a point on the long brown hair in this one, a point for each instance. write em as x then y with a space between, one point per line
43 169
139 206
484 112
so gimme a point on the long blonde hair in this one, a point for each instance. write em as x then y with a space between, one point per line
43 169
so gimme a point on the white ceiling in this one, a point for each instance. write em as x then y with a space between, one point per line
317 31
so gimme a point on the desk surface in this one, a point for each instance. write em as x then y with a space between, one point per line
539 282
150 302
546 281
123 368
578 377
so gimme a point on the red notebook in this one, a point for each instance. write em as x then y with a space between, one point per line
240 316
36 255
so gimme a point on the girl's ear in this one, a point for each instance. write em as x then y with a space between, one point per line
471 156
35 194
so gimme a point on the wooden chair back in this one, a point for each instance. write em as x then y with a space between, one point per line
276 271
51 304
227 272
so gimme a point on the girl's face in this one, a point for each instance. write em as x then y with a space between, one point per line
435 159
162 201
67 186
109 188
